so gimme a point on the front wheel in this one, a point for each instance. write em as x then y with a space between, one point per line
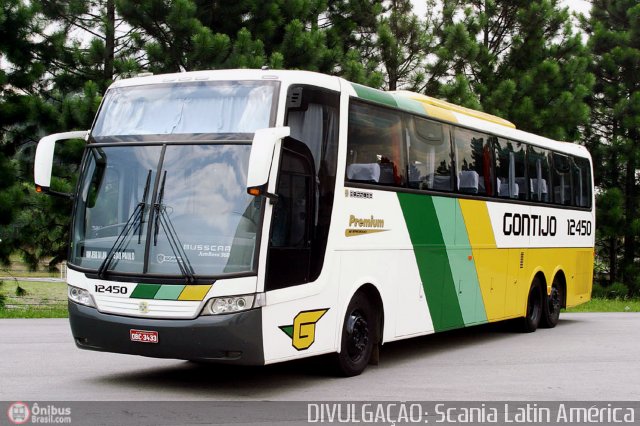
358 337
534 307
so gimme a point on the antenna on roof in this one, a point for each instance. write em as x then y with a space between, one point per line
265 68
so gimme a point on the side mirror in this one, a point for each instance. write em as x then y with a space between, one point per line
44 159
261 158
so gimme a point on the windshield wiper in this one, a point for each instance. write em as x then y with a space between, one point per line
136 219
162 219
143 203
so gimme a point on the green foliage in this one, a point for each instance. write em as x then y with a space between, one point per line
520 60
20 292
598 291
614 291
613 136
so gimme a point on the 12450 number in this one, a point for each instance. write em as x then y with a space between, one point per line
113 289
578 227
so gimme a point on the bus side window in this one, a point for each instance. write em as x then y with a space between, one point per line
562 193
539 177
472 152
375 147
580 169
520 168
429 147
511 179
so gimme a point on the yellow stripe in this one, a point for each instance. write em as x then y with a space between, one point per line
476 218
444 106
194 292
439 113
491 263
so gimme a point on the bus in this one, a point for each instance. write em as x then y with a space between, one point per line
260 216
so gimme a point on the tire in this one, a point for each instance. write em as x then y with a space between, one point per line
358 337
534 307
551 306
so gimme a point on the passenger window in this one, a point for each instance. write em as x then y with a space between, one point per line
510 172
581 171
539 178
473 163
429 147
561 178
375 147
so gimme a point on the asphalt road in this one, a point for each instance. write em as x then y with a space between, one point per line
586 357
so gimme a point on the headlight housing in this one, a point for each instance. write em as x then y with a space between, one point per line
80 296
228 304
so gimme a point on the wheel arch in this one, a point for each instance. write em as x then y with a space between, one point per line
538 273
373 293
561 278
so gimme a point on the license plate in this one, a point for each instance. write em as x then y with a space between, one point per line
143 336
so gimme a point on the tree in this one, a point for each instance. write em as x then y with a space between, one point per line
520 60
614 29
331 37
20 72
35 99
403 43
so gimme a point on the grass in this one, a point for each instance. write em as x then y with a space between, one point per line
608 305
34 313
42 300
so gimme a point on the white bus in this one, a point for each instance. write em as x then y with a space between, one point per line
259 216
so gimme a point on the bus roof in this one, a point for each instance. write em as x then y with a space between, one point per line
403 100
432 103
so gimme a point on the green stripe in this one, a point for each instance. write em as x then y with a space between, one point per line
432 259
458 250
374 95
410 105
169 292
145 291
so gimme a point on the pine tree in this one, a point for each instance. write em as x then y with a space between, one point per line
614 29
403 42
520 60
36 98
99 45
20 72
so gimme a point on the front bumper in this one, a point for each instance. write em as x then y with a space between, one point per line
230 338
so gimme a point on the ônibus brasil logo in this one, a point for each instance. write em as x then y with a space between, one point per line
303 329
18 413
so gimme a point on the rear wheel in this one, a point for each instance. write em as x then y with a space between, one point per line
358 337
534 307
551 306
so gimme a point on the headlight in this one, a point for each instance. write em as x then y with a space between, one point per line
227 305
81 296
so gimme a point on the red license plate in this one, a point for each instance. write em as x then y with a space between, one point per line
143 336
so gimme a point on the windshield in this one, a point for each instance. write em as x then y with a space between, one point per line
227 107
156 209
